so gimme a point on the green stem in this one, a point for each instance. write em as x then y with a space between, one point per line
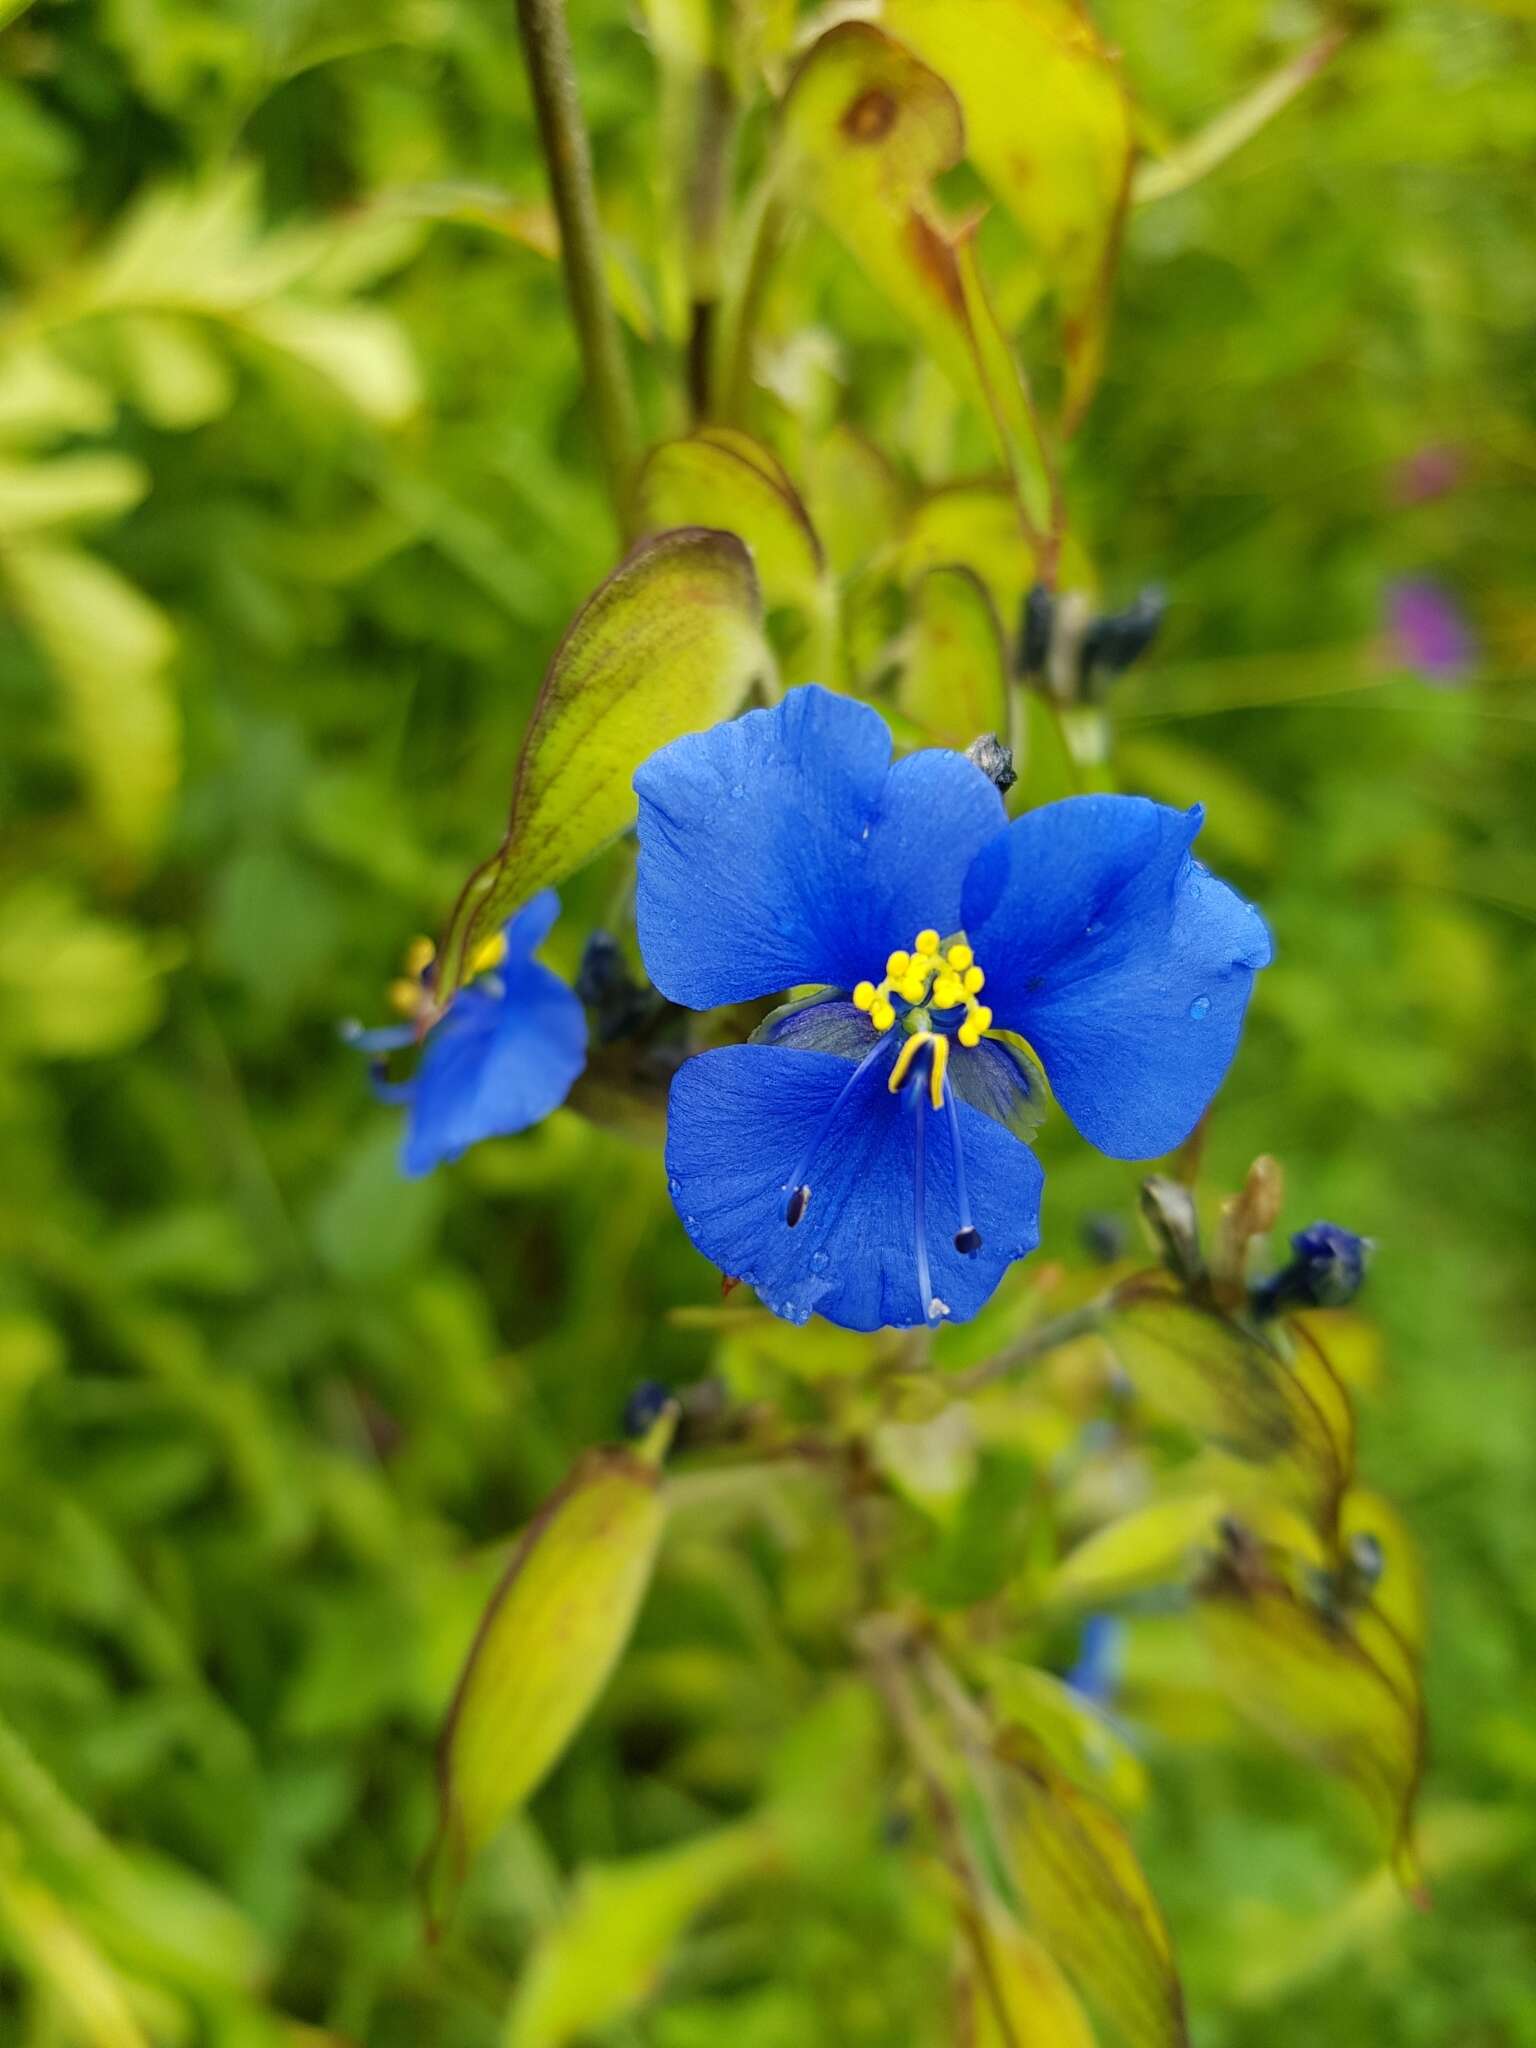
568 161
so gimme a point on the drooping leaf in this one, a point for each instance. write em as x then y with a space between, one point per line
723 478
1048 125
110 649
866 129
554 1630
1085 1895
1039 2008
1239 1391
1078 1737
954 684
670 643
1151 1546
67 489
1338 1687
606 1953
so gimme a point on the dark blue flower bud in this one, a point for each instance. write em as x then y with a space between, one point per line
621 1006
1035 626
1326 1270
1116 639
645 1403
1104 1237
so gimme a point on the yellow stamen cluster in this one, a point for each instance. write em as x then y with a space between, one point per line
933 977
407 994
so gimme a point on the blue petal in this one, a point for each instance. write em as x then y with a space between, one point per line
741 1124
504 1056
527 929
783 847
1125 964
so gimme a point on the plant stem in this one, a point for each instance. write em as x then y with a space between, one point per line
568 162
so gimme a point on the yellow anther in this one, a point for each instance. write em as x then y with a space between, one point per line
419 955
981 1017
959 957
975 981
882 1016
968 1034
927 942
864 996
404 997
947 993
489 954
904 1059
913 988
938 1061
897 965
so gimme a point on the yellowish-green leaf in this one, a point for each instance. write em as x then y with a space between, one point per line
1078 1737
56 1952
855 497
549 1640
671 642
866 129
1039 2009
178 377
1239 1391
1048 125
932 1461
1400 1594
719 477
954 685
1152 1546
102 988
1340 1690
976 524
65 490
358 349
41 396
110 649
1085 1895
606 1953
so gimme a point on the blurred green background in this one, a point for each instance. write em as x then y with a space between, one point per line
296 497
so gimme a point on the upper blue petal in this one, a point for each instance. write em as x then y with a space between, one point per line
1125 964
784 847
741 1123
503 1057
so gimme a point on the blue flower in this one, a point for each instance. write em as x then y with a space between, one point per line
503 1056
1095 1676
862 1156
1327 1270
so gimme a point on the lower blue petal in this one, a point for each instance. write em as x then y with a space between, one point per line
504 1056
1122 960
741 1124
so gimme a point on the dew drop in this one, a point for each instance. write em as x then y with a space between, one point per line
738 790
820 1260
1199 1008
675 1187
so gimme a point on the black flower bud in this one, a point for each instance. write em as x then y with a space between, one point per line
994 760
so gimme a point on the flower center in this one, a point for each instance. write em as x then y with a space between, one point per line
933 976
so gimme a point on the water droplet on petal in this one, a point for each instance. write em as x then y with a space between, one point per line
675 1187
1200 1007
738 789
820 1261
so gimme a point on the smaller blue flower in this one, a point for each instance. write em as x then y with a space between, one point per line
1095 1676
504 1055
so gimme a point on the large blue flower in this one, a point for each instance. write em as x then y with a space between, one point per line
862 1157
503 1056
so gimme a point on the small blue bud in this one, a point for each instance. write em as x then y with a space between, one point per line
645 1403
1327 1270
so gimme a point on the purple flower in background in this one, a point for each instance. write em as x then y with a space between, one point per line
1429 631
1432 471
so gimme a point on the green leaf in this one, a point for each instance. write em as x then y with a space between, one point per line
1341 1690
1283 1409
1085 1895
548 1642
1048 125
1151 1546
954 685
1079 1738
177 376
670 643
1039 2008
102 988
605 1954
719 477
110 649
66 489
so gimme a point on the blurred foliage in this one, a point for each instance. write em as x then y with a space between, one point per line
297 498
